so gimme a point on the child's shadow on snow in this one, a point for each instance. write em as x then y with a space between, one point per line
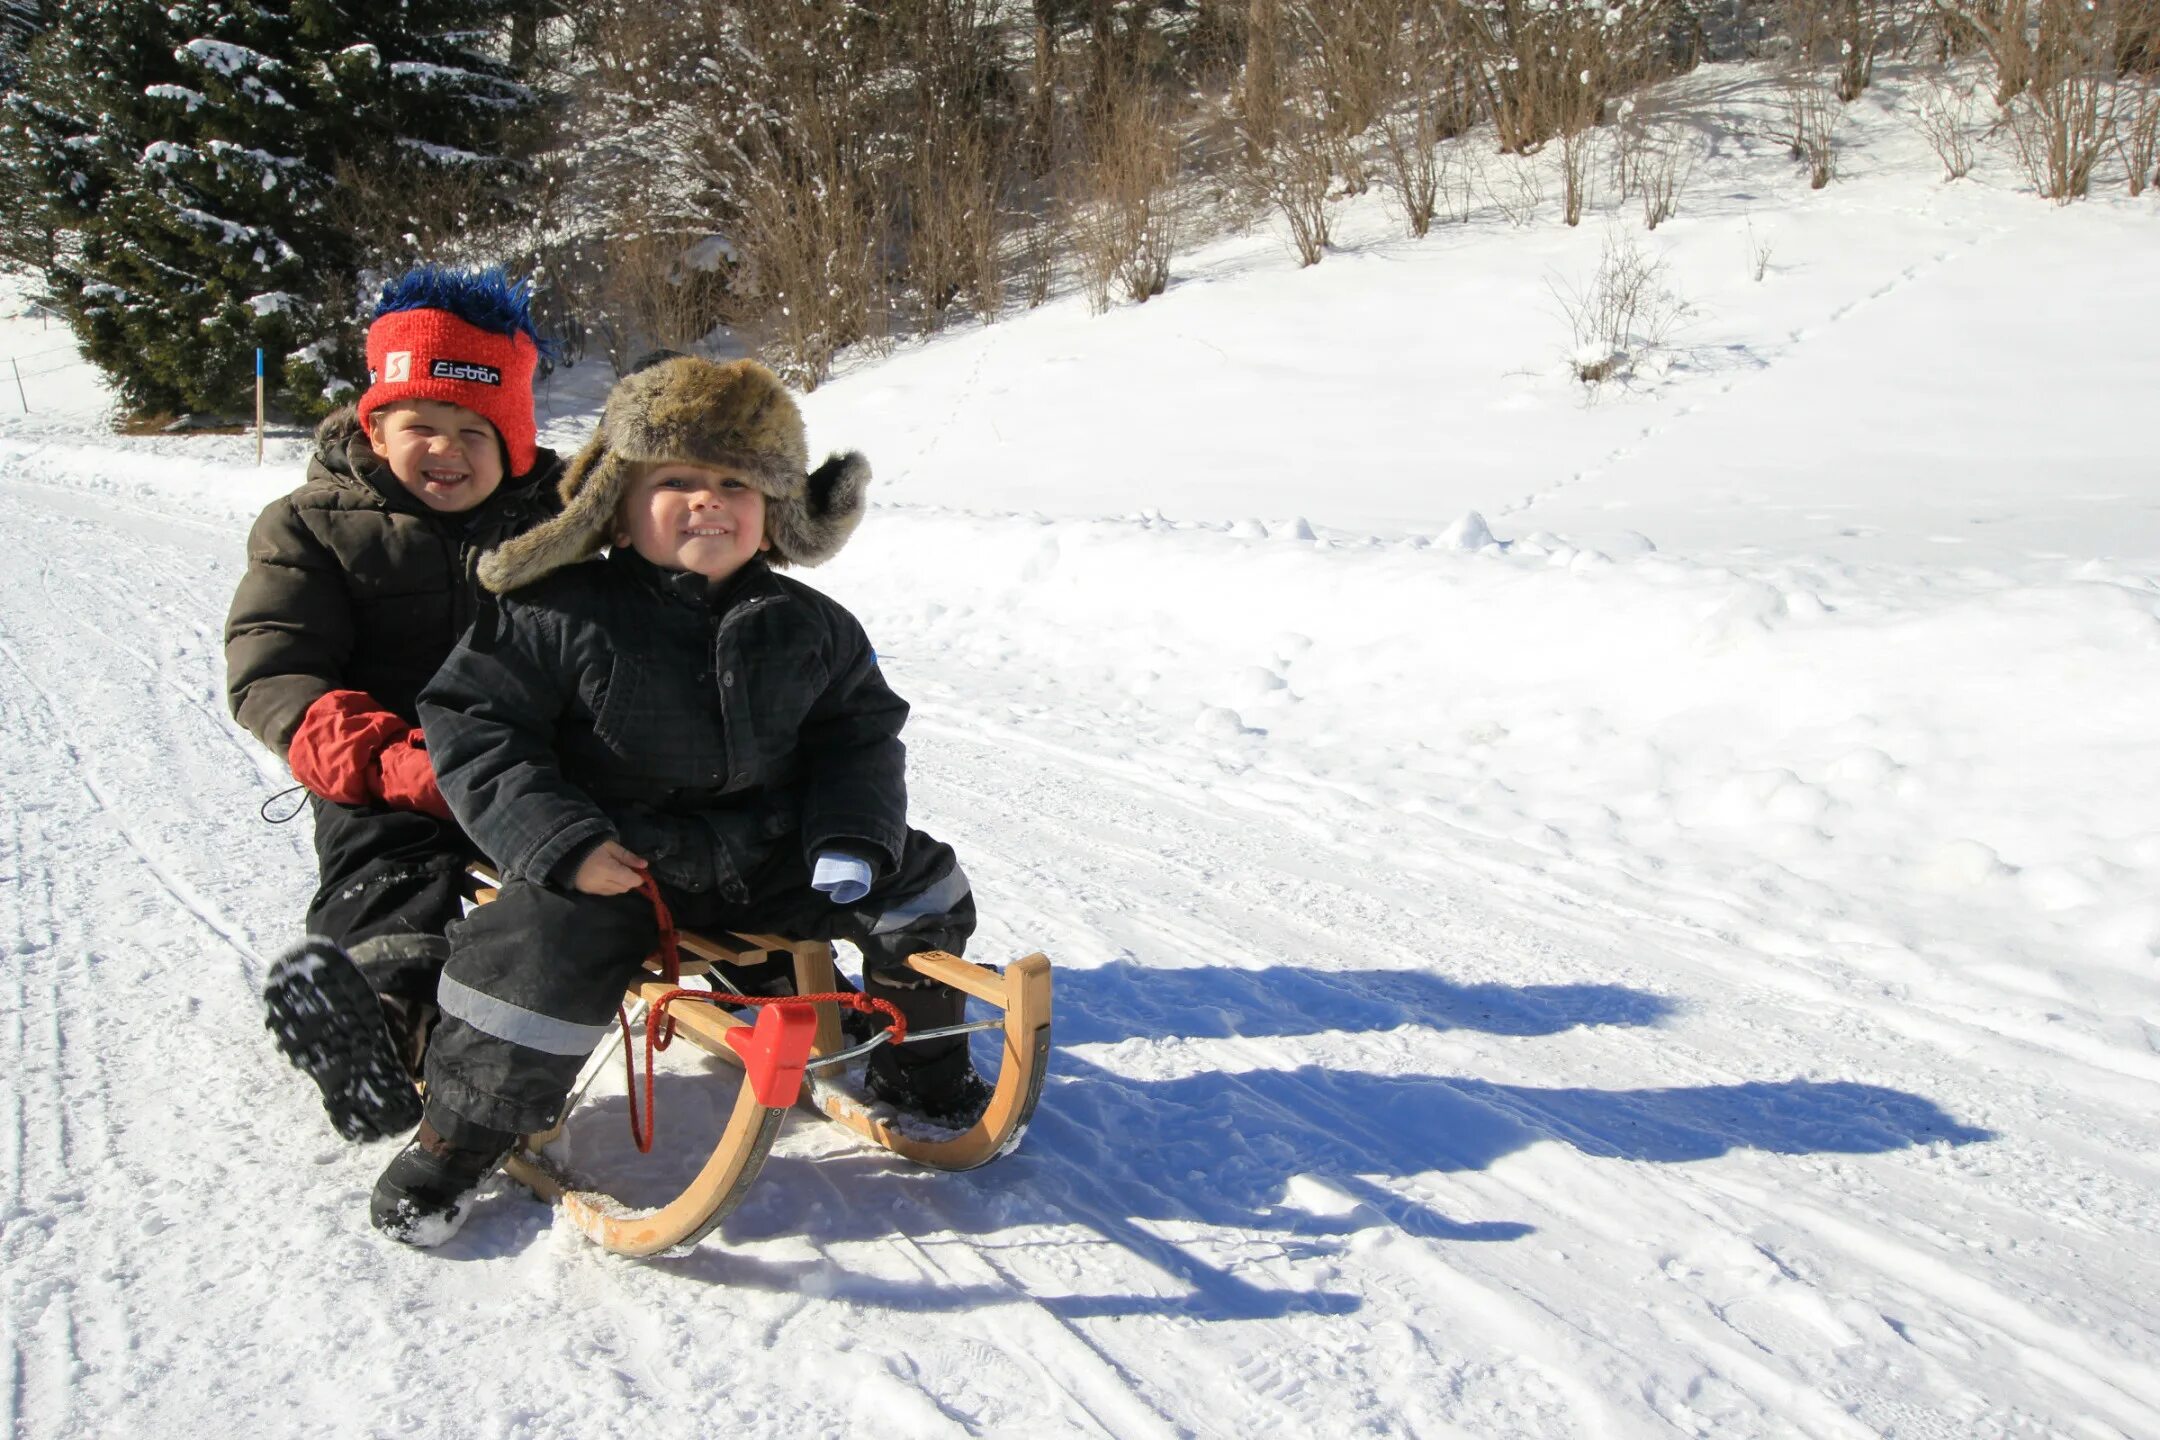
1296 1160
1126 999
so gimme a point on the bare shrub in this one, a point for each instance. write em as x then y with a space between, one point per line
1630 142
1576 147
1945 119
1847 35
2063 120
1347 72
1039 241
1758 252
1661 173
1624 312
1548 70
812 233
1517 192
945 198
1351 47
1998 27
2137 131
1416 165
1123 219
1811 115
2061 126
1260 91
1294 178
655 292
1437 99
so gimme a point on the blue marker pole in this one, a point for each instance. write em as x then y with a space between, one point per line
258 406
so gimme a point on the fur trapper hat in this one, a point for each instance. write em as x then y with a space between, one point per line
684 409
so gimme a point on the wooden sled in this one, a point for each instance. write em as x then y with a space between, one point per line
775 1078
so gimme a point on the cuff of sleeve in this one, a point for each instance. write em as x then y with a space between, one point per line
846 878
543 860
853 838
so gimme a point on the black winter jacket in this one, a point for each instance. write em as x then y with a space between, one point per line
353 583
702 730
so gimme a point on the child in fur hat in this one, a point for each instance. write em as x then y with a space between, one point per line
675 710
358 584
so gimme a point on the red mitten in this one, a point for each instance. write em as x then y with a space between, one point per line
334 751
405 777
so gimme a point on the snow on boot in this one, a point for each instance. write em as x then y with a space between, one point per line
424 1193
329 1024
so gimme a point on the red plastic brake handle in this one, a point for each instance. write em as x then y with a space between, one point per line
775 1050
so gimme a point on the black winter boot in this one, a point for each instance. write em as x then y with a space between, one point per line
329 1024
945 1094
424 1193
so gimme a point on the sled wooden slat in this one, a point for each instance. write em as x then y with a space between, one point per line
1022 992
686 1219
702 1025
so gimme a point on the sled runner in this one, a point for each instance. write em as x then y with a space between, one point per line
794 1046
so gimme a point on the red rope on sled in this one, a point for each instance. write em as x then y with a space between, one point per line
660 1026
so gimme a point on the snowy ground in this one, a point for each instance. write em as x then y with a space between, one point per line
1685 967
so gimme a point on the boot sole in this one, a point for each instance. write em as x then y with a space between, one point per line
327 1021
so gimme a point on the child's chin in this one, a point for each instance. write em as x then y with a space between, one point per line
462 495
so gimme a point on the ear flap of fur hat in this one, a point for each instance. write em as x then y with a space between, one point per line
736 415
810 529
591 489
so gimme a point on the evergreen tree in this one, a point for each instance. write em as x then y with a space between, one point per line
195 161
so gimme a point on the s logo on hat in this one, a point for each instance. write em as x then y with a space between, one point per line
463 338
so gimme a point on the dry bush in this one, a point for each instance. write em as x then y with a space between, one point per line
951 221
1661 173
1549 69
2063 120
1945 118
1346 72
1811 118
1351 46
812 235
1758 252
1419 168
1416 167
2061 126
2137 131
1576 146
2071 79
1260 89
1625 311
1845 34
1122 216
1293 176
654 293
1038 251
1518 190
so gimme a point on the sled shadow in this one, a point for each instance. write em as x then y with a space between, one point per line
1299 1160
1294 1161
1107 1003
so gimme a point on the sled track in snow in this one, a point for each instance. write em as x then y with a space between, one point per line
1341 1095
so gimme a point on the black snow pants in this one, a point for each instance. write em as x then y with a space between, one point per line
391 883
535 977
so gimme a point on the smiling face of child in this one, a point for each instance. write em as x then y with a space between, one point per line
445 455
707 519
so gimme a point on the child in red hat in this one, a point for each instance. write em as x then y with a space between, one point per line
358 585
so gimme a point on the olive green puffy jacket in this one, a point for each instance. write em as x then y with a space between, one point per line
354 584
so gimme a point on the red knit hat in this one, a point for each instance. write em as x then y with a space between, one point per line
422 347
